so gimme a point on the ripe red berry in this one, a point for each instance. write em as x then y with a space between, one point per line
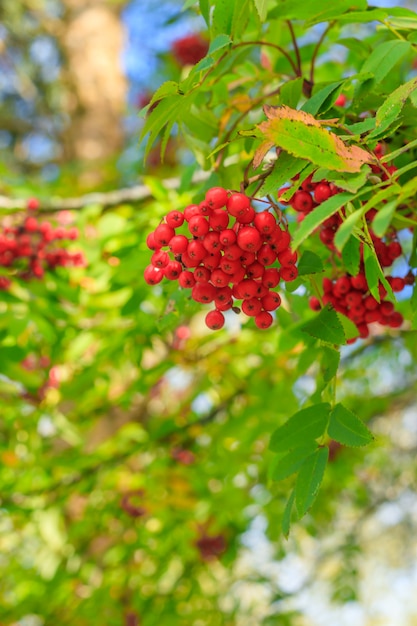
153 275
173 270
160 258
397 283
196 250
302 201
251 307
33 204
314 303
175 219
215 320
220 278
186 279
255 270
271 301
227 237
264 319
218 220
238 204
359 282
265 222
249 238
266 254
204 292
178 244
216 197
288 273
211 241
163 234
198 226
271 277
322 192
150 240
202 274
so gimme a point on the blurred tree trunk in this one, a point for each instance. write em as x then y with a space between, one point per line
92 41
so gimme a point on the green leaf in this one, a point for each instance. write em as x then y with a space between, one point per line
325 326
301 429
286 518
349 182
285 168
262 8
392 107
351 255
313 10
291 92
316 102
219 42
310 263
287 465
166 110
384 58
319 215
300 134
205 11
346 428
309 480
383 218
223 17
346 229
350 329
169 88
329 363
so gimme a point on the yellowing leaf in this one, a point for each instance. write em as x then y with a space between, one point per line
300 134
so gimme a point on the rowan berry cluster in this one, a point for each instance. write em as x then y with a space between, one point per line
224 254
30 246
348 294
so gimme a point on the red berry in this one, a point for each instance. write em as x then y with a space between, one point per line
359 282
248 288
271 301
190 49
202 274
220 278
196 250
238 204
288 273
178 244
397 283
204 292
211 261
215 320
287 257
218 220
174 219
394 250
153 275
31 224
211 241
163 234
249 238
314 303
340 100
255 270
266 254
271 277
302 202
265 222
228 237
216 197
264 319
186 279
396 320
251 307
228 266
33 204
322 192
173 270
160 259
198 226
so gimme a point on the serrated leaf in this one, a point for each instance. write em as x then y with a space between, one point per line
319 215
262 8
384 57
310 263
316 102
349 182
290 463
383 218
309 480
392 107
346 428
286 518
350 329
291 92
219 42
303 136
351 255
325 326
169 88
285 168
329 363
304 426
346 229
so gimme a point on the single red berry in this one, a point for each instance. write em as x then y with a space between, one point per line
205 209
212 261
233 253
31 224
247 258
218 220
223 295
255 270
302 202
186 279
189 261
397 283
251 307
215 320
163 234
153 275
238 204
314 303
396 320
248 288
288 273
228 266
265 222
359 282
394 250
173 270
340 100
322 192
202 274
370 303
287 257
178 244
327 236
264 319
191 210
341 286
266 255
249 238
271 301
198 226
216 197
271 277
196 250
160 258
204 292
33 204
281 240
190 49
227 237
175 219
219 278
307 184
211 241
386 308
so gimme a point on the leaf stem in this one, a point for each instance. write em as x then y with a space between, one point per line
296 49
316 50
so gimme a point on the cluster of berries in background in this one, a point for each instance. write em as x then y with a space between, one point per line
348 294
226 253
190 49
29 246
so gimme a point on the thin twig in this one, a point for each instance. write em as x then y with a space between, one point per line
316 50
296 50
